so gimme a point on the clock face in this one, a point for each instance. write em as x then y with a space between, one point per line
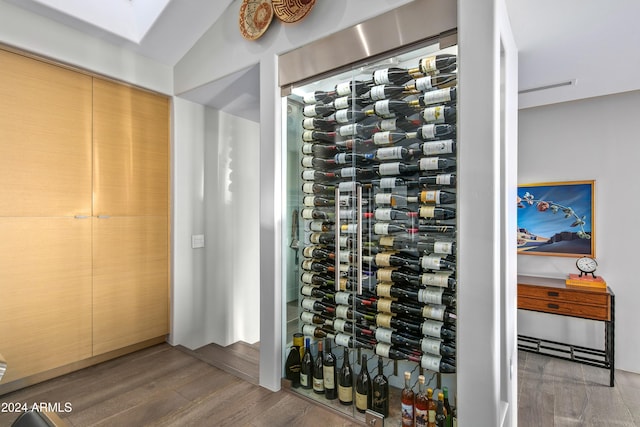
586 264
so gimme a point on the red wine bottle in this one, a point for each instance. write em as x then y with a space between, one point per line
318 188
329 372
391 153
434 148
318 96
318 371
437 347
435 63
433 212
432 131
345 380
439 114
306 367
438 96
380 391
354 86
318 110
292 366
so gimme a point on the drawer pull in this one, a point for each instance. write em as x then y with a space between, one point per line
555 306
553 294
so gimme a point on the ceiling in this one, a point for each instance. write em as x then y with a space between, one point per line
572 49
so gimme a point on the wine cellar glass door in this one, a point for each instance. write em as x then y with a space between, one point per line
370 179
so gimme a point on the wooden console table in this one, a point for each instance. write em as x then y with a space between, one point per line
553 296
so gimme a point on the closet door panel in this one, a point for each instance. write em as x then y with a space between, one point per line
45 293
45 138
130 296
131 151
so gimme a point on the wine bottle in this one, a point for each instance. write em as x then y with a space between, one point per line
437 347
436 262
391 275
347 115
391 76
441 179
306 367
389 336
384 228
318 96
318 188
429 83
318 252
437 247
322 239
352 158
437 96
387 350
434 148
315 123
436 163
380 389
388 137
314 331
357 129
316 110
431 404
437 197
318 201
317 266
315 305
391 153
349 102
436 212
348 88
395 168
357 173
440 114
318 371
317 279
435 63
434 328
388 107
431 131
407 401
316 175
447 407
329 372
391 214
422 404
363 387
318 135
345 381
318 163
440 312
398 123
385 91
437 364
441 416
292 366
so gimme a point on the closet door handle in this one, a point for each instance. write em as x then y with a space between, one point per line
359 238
336 262
104 216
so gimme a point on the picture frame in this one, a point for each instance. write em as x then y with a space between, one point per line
557 219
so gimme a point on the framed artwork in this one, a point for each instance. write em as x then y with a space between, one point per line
556 218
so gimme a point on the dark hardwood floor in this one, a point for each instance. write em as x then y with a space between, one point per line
172 386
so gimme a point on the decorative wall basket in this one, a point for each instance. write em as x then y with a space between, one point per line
292 10
255 17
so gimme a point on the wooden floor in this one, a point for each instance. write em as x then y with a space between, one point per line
171 386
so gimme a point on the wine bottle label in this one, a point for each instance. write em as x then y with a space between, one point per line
437 96
307 277
318 384
422 417
430 345
386 241
349 228
308 251
314 238
348 186
432 363
381 228
342 311
443 248
435 279
344 268
343 283
430 296
384 319
307 148
343 89
384 289
377 93
316 226
308 303
345 394
382 260
341 103
384 274
309 98
407 414
427 211
307 187
307 290
381 77
348 130
309 330
348 172
384 335
382 108
382 349
428 64
424 84
382 138
304 380
431 328
341 158
435 312
382 214
339 325
307 135
306 317
309 175
429 163
342 298
361 401
444 179
431 148
428 131
430 196
384 305
347 214
309 200
327 373
388 124
345 257
389 168
432 416
433 114
310 111
383 198
431 262
342 116
344 241
389 153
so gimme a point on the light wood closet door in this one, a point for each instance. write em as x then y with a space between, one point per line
130 205
45 293
45 139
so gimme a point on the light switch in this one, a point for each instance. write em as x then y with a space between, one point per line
197 241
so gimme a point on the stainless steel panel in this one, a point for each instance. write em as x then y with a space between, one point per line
404 26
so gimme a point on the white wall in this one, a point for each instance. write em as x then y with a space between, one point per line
595 138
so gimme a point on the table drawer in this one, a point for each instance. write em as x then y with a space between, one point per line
573 296
595 312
